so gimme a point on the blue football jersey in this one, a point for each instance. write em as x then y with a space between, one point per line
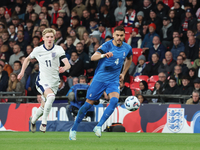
108 69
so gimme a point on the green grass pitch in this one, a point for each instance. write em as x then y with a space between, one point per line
108 141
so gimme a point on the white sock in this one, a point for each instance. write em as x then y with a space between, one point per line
47 107
38 114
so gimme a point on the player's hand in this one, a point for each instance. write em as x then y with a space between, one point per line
121 77
61 69
20 75
108 55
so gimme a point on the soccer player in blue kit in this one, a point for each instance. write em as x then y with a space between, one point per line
111 56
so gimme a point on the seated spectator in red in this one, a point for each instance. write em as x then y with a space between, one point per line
3 79
195 98
124 91
139 68
168 63
143 89
135 39
192 48
172 88
157 48
157 90
152 67
54 12
142 99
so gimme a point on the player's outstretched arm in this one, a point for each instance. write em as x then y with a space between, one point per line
127 64
24 66
96 56
66 67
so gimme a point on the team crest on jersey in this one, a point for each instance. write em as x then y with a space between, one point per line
175 119
53 55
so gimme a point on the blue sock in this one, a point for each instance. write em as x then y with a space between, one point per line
81 114
109 110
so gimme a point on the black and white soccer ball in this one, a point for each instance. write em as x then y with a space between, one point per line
132 103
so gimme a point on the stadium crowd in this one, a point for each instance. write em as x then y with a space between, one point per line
165 33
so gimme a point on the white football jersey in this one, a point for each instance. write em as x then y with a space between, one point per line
49 63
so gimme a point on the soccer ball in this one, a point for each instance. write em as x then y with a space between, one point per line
132 103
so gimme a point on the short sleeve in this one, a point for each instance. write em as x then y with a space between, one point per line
130 53
34 53
61 51
103 48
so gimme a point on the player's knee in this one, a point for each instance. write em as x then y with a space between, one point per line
51 97
114 101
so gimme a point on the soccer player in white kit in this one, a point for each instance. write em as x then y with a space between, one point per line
48 55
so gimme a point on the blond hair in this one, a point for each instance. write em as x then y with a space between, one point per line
49 30
12 85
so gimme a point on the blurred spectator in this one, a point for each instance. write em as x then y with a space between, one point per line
174 20
54 12
17 68
35 42
152 67
107 17
5 53
19 12
6 67
148 39
3 79
58 37
29 49
196 63
141 65
74 37
143 88
157 90
192 48
120 11
65 17
130 17
21 41
13 34
186 88
64 6
69 45
135 39
185 60
77 67
14 85
147 6
94 39
29 27
104 32
124 91
161 9
166 32
168 63
189 22
92 5
153 18
172 88
196 83
93 25
29 11
142 99
192 74
17 53
36 7
195 98
5 37
177 74
79 8
139 21
86 18
46 14
163 78
61 25
30 84
157 48
63 88
178 47
183 66
82 55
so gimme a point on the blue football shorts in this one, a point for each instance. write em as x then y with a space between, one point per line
97 88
